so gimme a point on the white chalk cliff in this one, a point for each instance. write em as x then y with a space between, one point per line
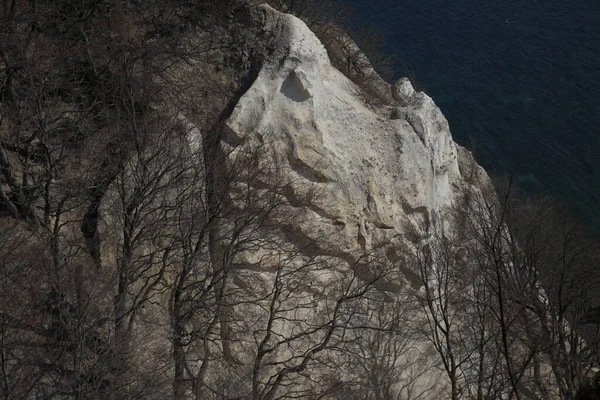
378 170
356 179
379 173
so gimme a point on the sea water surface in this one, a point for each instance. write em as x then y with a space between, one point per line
518 81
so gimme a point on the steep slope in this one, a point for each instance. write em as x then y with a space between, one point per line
358 183
199 205
379 171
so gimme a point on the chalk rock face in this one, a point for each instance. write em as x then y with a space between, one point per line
378 171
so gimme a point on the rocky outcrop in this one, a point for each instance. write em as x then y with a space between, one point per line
375 175
349 183
380 171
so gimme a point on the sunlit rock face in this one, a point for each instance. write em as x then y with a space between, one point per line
357 180
379 171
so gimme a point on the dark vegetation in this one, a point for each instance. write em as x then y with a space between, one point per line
533 272
120 244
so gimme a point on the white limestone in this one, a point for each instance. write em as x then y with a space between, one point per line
377 169
377 174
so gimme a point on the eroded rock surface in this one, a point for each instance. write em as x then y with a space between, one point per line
377 175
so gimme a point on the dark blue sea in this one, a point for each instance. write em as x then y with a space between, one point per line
518 81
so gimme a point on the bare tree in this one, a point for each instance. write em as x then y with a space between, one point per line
556 258
382 358
442 275
300 324
531 260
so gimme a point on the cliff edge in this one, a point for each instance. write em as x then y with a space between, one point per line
380 171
